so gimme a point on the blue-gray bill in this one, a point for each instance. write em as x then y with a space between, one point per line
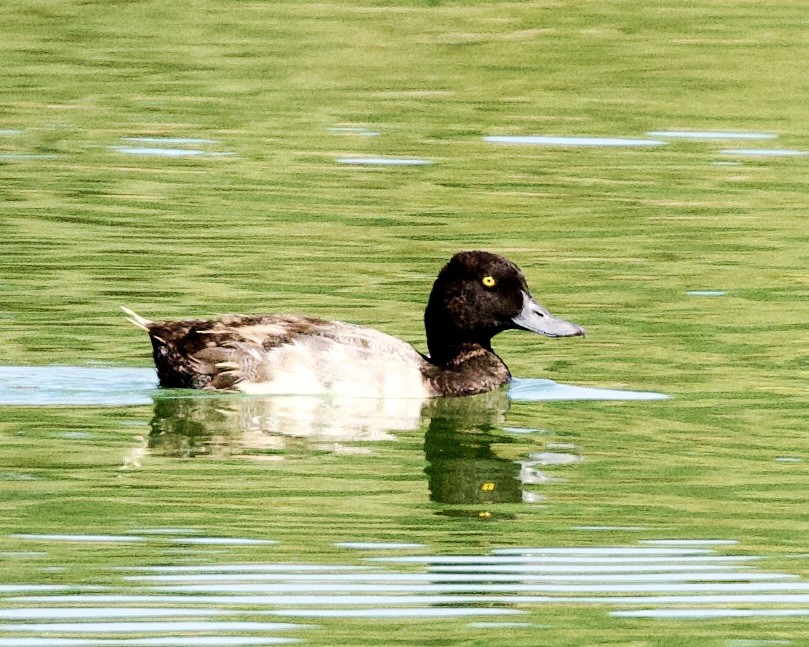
536 318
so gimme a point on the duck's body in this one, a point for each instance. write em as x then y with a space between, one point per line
284 354
475 296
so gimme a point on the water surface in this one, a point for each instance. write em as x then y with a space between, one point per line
667 580
540 501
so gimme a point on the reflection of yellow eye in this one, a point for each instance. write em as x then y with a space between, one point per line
488 281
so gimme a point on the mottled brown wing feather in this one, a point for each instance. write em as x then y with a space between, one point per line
199 353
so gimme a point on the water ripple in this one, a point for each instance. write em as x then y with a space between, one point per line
661 578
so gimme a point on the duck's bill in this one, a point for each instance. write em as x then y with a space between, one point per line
536 318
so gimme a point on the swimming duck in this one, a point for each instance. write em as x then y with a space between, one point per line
475 296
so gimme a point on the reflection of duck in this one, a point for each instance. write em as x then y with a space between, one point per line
465 446
188 426
475 296
205 424
463 467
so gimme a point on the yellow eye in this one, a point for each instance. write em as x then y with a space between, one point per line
488 281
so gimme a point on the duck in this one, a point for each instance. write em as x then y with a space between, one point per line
476 295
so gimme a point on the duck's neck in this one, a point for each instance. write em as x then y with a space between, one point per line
460 346
452 354
471 369
449 337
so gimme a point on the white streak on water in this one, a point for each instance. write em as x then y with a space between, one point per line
525 430
82 538
353 130
17 476
543 140
222 541
170 140
143 627
158 152
702 614
610 528
502 625
164 531
764 152
376 545
709 135
586 568
273 600
440 578
741 598
167 641
659 587
83 613
412 612
33 588
551 458
538 390
383 161
387 600
707 293
76 385
561 559
611 551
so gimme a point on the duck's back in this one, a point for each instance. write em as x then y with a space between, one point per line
285 354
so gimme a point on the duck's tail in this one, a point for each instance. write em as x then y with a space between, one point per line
136 320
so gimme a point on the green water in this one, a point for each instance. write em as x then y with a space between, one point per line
260 216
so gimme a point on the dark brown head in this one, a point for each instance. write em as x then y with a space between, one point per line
478 295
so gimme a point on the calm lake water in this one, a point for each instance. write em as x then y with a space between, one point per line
149 517
644 163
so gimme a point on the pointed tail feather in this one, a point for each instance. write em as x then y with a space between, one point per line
135 319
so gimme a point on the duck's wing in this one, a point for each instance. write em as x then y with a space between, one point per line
240 348
193 353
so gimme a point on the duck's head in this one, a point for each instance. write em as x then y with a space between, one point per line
478 295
